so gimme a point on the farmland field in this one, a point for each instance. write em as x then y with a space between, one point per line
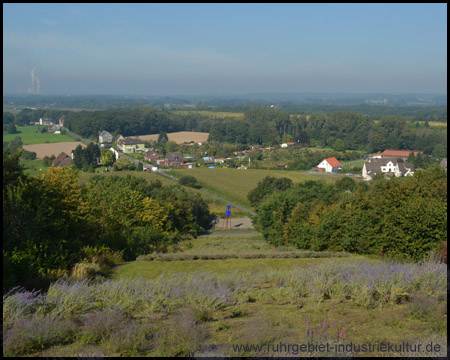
30 135
212 114
235 184
179 137
42 150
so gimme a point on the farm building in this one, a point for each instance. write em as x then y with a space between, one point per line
45 121
329 165
55 129
105 137
287 144
398 154
386 166
62 160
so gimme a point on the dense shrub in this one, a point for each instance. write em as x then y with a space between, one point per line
188 180
398 217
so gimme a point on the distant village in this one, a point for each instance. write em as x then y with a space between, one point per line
387 163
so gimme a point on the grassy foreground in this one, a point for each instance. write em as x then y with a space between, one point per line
237 307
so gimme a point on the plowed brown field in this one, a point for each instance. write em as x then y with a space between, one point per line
179 137
42 150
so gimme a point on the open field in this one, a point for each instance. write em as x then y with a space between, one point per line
235 184
30 135
42 150
216 206
33 167
179 137
212 114
434 123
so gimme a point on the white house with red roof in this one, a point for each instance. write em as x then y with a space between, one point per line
329 165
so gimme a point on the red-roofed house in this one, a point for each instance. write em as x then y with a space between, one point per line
402 154
329 165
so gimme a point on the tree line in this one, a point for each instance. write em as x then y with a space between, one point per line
51 218
398 217
341 130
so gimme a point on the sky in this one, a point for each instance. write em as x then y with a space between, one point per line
216 49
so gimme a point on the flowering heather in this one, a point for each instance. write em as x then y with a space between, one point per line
326 330
90 310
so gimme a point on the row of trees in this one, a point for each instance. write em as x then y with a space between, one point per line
402 216
340 130
50 218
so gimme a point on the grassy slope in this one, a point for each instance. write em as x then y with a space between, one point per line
234 184
272 318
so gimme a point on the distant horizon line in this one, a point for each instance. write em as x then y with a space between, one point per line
233 94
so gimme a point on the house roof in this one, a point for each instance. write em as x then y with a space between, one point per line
443 163
105 133
333 162
400 153
62 160
132 142
177 156
374 165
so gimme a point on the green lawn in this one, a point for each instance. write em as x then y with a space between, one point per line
34 167
30 135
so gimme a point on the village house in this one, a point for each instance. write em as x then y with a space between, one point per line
174 159
105 137
45 121
329 165
287 144
129 145
389 166
151 156
55 129
443 163
62 160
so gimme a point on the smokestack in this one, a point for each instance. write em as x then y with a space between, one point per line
38 85
32 80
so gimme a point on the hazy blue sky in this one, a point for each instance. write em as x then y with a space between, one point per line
166 49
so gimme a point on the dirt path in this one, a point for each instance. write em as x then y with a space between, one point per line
244 223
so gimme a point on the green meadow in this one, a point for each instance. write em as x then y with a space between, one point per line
31 135
235 184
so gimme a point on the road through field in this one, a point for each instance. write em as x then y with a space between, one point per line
162 172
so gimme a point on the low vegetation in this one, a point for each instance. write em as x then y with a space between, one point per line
203 313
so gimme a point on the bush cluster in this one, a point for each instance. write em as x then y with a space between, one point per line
398 217
54 222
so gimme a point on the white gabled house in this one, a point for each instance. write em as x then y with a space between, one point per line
329 165
386 166
105 137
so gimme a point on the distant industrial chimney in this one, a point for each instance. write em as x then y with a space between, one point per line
35 83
